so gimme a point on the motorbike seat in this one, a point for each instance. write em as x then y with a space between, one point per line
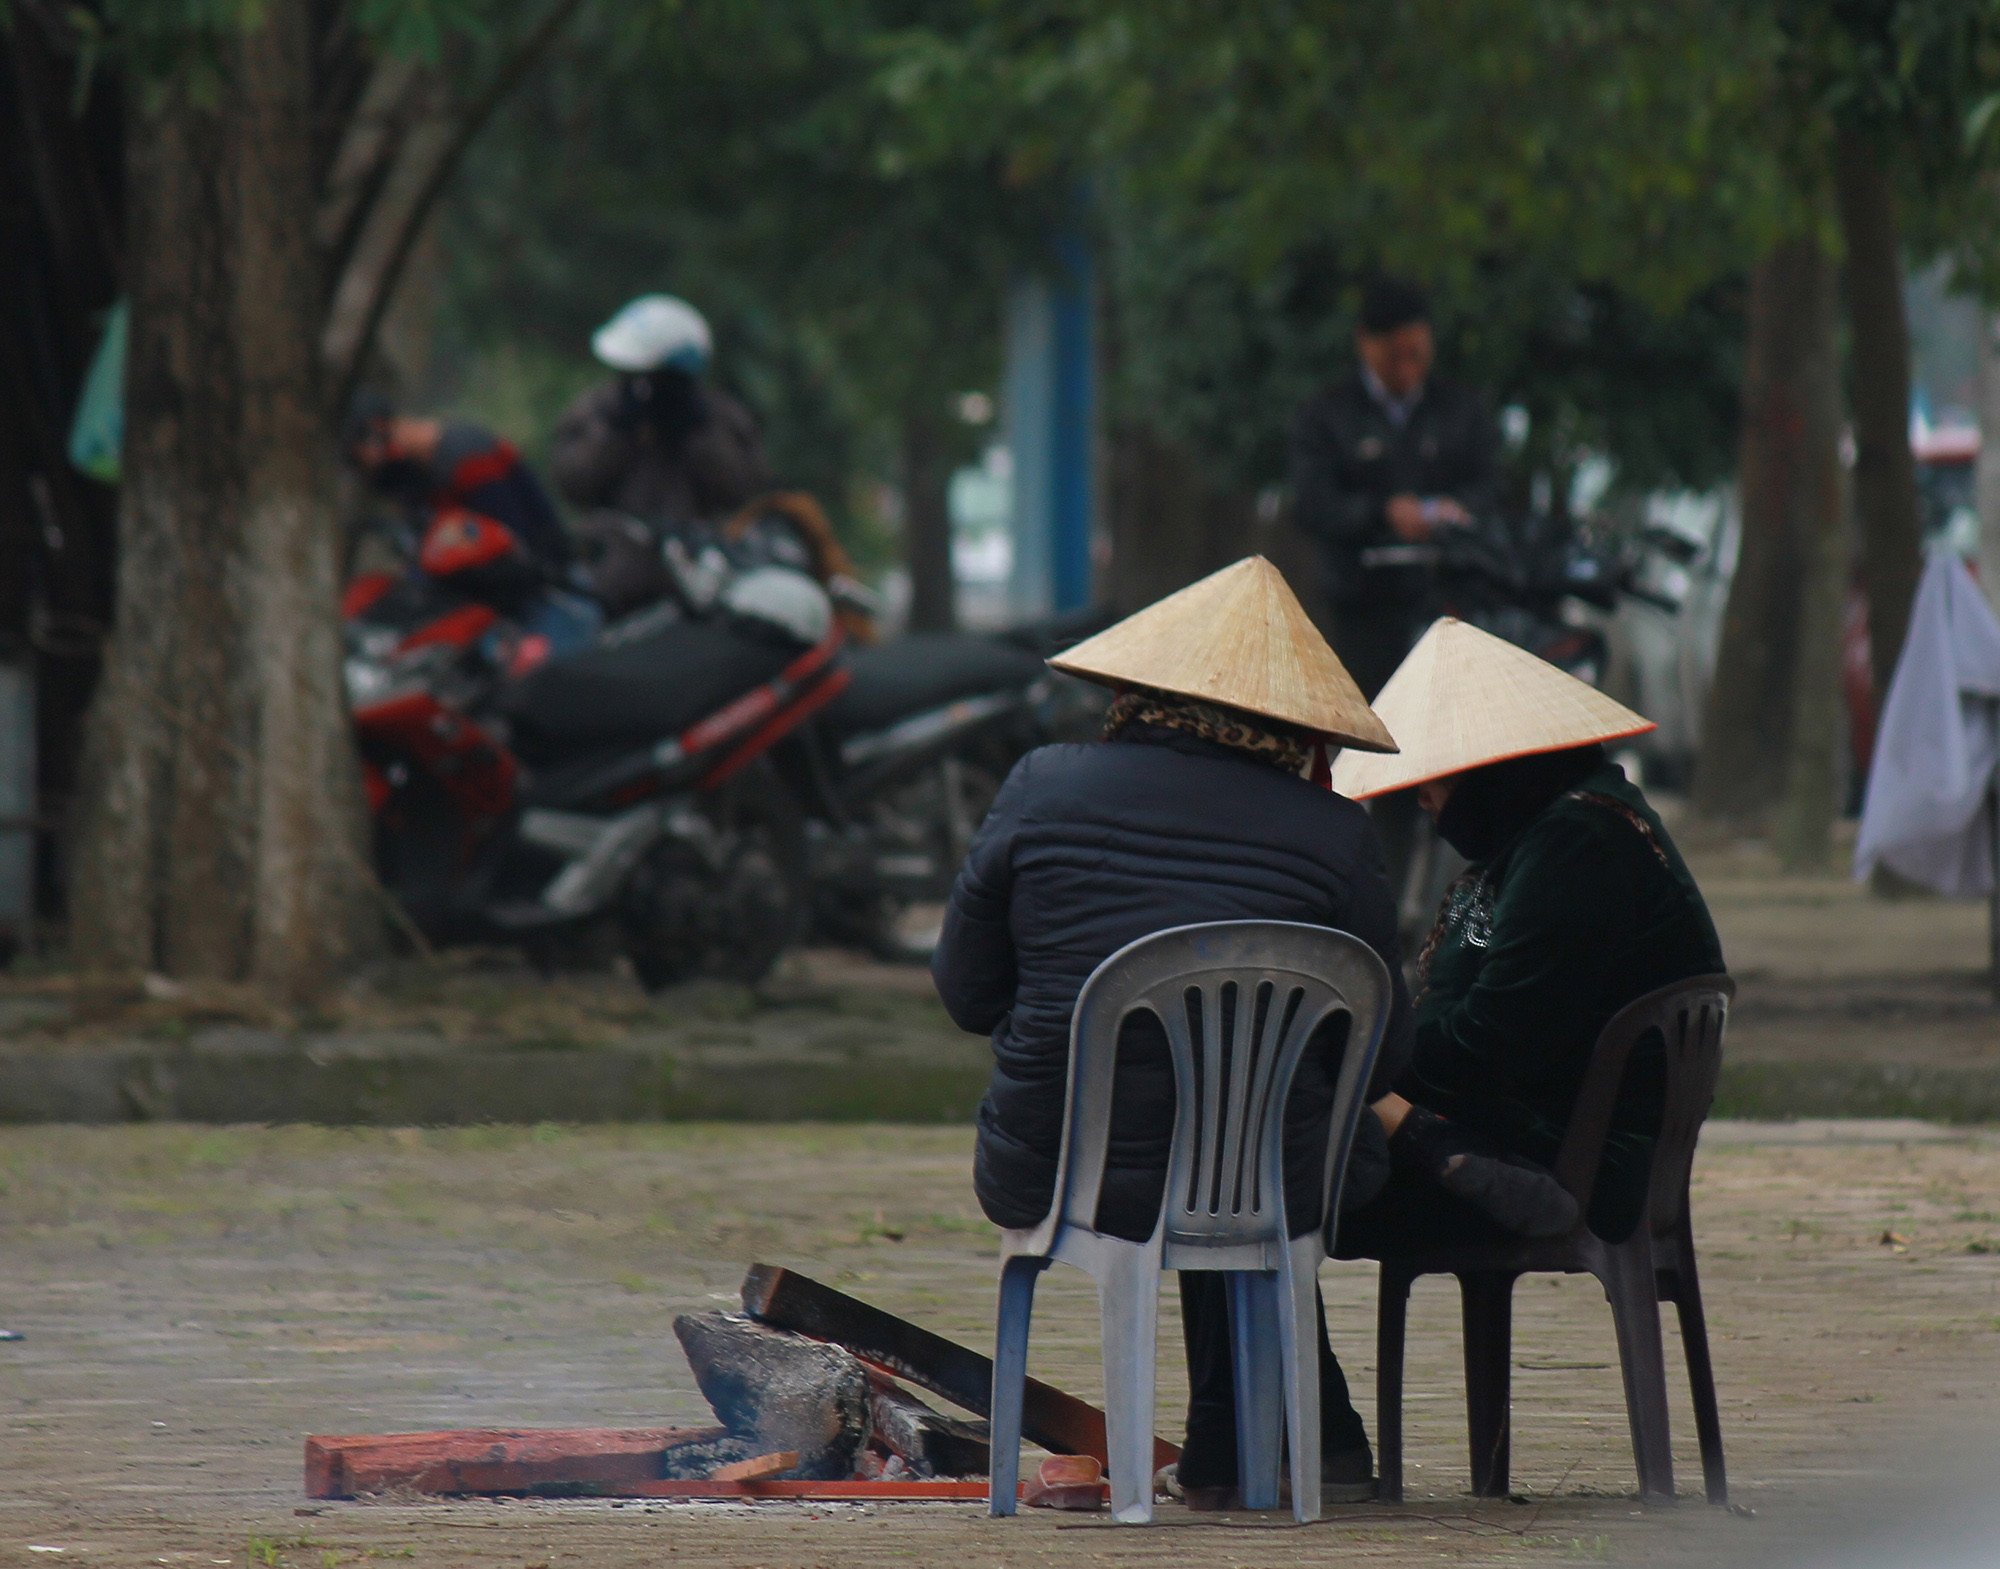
925 670
639 692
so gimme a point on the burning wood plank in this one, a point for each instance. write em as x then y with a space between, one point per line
1058 1422
808 1407
780 1391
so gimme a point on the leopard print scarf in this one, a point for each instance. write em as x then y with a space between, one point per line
1281 748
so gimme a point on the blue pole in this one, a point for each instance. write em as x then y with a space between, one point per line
1073 467
1051 405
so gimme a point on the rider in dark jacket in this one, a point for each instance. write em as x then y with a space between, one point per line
434 464
1382 461
653 451
658 442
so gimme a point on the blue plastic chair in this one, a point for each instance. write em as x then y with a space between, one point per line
1239 1000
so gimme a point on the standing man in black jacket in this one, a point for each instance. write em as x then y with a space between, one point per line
1383 461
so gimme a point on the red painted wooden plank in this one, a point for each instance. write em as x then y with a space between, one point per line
827 1491
486 1460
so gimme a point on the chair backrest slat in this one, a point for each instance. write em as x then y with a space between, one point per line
1239 1001
1688 1017
1692 1032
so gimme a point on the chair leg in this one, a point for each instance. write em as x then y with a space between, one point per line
1701 1372
1254 1337
1298 1336
1633 1292
1010 1376
1391 1312
1128 1295
1486 1300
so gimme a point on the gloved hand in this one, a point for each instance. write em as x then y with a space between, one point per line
636 398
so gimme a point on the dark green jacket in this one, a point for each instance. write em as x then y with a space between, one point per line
1577 916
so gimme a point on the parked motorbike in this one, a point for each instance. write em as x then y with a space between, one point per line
704 781
1526 581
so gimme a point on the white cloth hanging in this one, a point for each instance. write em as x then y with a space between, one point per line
1925 815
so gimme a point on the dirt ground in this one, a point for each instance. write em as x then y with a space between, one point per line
196 1300
1829 973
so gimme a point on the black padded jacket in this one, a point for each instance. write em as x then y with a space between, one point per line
1090 847
1349 458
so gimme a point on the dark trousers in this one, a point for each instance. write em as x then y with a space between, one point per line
1208 1459
1410 1213
1373 638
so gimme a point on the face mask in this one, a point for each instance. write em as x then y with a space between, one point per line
403 478
1491 805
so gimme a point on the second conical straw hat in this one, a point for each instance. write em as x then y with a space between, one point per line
1465 698
1239 637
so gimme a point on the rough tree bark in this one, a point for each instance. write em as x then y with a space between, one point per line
1803 836
223 834
383 187
1170 525
926 476
1776 667
1885 472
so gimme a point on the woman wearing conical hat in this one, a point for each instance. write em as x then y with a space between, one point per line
1197 805
1575 904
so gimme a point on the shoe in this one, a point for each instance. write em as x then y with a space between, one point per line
1344 1478
1209 1500
1348 1477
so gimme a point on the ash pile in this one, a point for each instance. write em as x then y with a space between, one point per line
794 1408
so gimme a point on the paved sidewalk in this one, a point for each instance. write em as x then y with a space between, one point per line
196 1300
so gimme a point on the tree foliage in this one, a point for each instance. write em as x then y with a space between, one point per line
1575 182
749 158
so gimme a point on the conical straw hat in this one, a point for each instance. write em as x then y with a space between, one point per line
1465 698
1240 638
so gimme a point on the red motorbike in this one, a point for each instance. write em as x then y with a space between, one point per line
703 781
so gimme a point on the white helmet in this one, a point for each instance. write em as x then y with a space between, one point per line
653 332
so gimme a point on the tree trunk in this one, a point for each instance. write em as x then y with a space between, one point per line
1804 832
222 832
1169 524
927 521
1788 475
1885 473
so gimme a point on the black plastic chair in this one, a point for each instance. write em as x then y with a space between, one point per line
1654 1265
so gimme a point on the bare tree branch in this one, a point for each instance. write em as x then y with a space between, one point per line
360 300
397 95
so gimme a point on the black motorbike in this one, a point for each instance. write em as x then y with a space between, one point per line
854 792
1528 580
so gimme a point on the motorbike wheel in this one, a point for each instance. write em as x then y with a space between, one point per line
933 814
726 906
